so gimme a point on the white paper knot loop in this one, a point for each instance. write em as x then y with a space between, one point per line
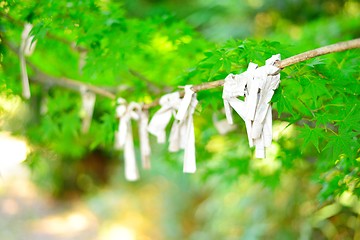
124 137
27 48
182 134
235 86
257 85
169 104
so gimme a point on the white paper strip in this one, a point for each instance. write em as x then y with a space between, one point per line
44 100
190 151
175 138
144 139
185 103
124 138
182 132
82 61
169 104
235 86
26 49
28 45
258 85
266 80
88 103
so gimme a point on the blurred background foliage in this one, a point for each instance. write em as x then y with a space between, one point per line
307 187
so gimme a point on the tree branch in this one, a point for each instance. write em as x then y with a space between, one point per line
337 47
73 84
69 83
39 76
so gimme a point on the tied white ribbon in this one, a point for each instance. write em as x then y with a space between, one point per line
124 137
182 134
27 48
88 103
169 104
257 85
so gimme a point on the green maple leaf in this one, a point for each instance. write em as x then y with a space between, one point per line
343 143
311 135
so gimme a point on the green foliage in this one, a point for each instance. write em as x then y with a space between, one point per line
316 107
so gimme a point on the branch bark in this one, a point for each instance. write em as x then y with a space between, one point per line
74 84
69 83
41 77
337 47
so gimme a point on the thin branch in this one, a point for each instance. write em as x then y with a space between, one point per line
69 83
39 76
337 47
195 88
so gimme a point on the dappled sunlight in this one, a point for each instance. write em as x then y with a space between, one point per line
326 212
13 151
348 199
270 163
217 144
162 44
13 112
115 232
65 223
282 129
352 8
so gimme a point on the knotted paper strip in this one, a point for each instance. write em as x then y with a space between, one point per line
124 137
88 103
27 48
258 85
182 134
266 79
235 86
169 104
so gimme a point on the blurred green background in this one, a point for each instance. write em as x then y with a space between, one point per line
307 187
